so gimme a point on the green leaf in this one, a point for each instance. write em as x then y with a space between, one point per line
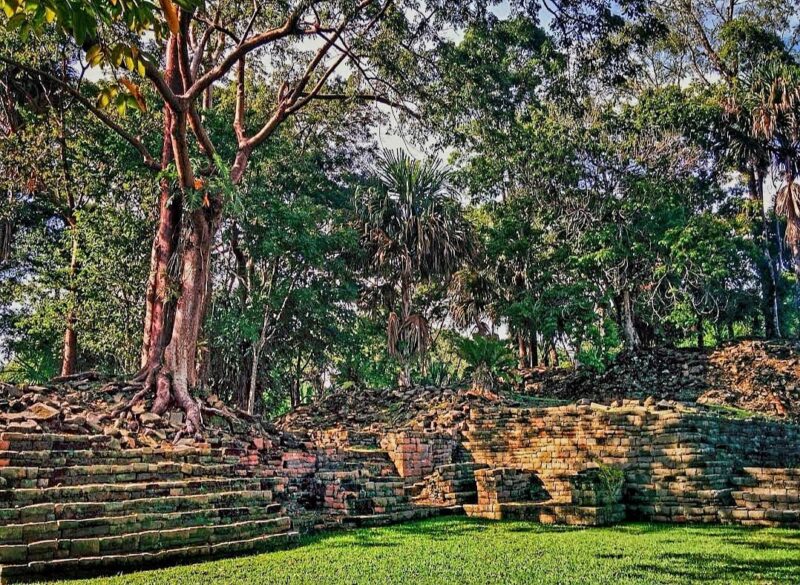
16 21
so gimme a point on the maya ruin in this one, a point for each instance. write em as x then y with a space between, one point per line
399 291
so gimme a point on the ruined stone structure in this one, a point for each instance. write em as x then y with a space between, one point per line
81 502
680 465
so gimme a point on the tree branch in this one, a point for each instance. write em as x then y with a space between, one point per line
367 97
238 115
154 75
147 158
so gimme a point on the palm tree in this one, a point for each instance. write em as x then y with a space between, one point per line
775 111
413 230
747 148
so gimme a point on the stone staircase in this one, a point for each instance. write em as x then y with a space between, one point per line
75 501
361 486
765 496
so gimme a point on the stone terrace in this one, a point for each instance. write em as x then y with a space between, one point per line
680 464
73 502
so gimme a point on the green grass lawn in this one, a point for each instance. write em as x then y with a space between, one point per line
459 550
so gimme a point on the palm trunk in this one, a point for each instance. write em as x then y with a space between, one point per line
701 334
632 338
405 294
69 357
533 349
6 232
522 353
769 277
251 395
295 398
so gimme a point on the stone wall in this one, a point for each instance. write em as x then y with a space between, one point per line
416 454
680 464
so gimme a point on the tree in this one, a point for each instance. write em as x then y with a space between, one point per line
195 47
413 231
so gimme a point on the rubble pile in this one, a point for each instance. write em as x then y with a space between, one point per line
86 404
419 408
755 375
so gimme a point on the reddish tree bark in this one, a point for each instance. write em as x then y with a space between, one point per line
159 299
69 355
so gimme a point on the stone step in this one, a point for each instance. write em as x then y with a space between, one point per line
48 512
549 513
778 498
761 516
102 492
14 441
415 513
130 523
769 473
42 477
768 493
145 541
10 572
455 497
53 441
749 483
47 458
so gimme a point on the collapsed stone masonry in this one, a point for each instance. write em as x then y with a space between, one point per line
78 502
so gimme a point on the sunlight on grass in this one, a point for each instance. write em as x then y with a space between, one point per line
459 550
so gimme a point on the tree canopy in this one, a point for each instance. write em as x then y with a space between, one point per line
201 195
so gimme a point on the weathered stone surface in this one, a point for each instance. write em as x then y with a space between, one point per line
41 412
149 418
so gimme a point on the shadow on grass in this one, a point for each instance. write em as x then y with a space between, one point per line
694 567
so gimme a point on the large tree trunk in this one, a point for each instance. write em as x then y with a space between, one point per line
159 298
178 280
179 373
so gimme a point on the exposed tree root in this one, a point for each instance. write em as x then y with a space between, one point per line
167 393
89 376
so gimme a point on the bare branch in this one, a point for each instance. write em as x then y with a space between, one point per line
200 133
200 49
238 115
244 47
366 97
